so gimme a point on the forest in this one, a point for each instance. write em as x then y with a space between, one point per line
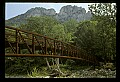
96 36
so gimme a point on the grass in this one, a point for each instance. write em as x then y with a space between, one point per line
38 73
74 71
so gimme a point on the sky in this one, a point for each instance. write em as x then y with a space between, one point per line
15 9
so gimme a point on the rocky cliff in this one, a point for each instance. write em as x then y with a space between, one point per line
73 12
66 13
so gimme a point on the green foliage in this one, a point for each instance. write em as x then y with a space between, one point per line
70 62
86 36
50 27
41 24
58 32
98 36
70 28
34 73
22 65
102 10
107 29
109 66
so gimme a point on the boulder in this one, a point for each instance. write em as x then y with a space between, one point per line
108 66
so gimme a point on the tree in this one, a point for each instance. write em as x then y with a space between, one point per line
58 32
86 36
41 24
70 28
105 14
102 10
98 36
49 27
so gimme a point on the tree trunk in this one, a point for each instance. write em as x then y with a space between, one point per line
57 63
48 63
53 61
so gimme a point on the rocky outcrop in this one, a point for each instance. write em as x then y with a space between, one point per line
66 13
39 11
73 12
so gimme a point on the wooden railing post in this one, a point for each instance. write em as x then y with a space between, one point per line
17 42
33 44
19 46
45 45
70 50
75 51
78 53
54 48
61 48
67 50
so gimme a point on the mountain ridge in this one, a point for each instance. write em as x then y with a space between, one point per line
66 13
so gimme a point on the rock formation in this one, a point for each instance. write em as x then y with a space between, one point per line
66 13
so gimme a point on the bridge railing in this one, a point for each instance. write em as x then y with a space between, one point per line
18 39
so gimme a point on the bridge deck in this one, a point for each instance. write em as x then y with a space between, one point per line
46 55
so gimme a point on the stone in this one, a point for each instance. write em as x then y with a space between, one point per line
108 66
66 13
73 12
47 77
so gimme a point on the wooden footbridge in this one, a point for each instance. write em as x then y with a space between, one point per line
38 45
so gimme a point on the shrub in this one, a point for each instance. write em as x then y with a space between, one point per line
70 62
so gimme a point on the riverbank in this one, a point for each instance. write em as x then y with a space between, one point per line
79 72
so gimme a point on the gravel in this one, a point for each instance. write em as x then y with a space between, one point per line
97 73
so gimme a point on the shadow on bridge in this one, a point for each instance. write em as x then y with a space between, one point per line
41 46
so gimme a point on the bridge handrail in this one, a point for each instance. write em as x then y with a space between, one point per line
10 27
64 43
